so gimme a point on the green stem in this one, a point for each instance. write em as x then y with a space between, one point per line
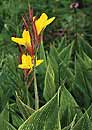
27 95
36 92
35 84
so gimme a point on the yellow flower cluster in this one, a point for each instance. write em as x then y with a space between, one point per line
25 40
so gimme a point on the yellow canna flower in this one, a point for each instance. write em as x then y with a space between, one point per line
42 22
25 40
27 62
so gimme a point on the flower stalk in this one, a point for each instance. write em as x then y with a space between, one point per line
27 93
36 91
35 82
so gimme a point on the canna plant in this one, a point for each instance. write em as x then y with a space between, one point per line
31 40
61 98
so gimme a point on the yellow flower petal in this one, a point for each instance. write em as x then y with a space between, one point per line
25 40
49 21
27 62
38 62
23 59
22 66
39 22
26 37
20 41
43 17
42 22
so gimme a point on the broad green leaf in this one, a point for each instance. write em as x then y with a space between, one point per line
8 126
53 60
45 118
54 55
4 116
70 126
64 71
83 80
65 54
66 74
85 46
84 60
68 108
25 110
42 52
42 55
49 84
10 79
85 122
61 44
4 98
16 119
15 116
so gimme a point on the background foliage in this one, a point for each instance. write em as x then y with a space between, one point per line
65 78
